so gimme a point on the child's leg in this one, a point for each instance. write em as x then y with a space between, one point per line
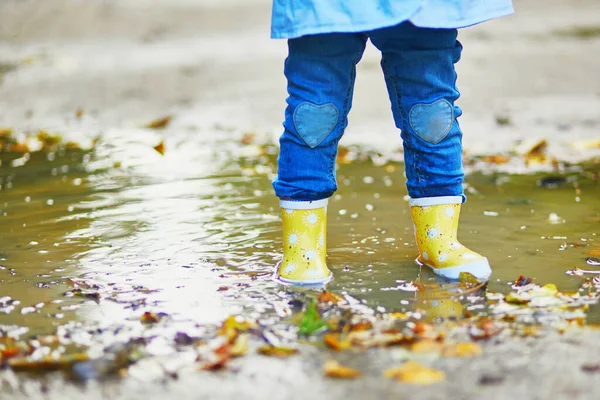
418 64
320 71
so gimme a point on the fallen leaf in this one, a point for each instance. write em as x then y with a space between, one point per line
240 346
426 346
6 132
248 138
523 280
329 297
277 351
413 372
496 159
516 298
593 252
159 123
484 329
311 321
160 148
465 349
333 341
46 363
333 369
149 318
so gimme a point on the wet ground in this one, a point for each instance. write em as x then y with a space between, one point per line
93 239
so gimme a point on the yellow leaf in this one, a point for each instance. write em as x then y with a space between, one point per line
400 316
426 346
413 372
159 123
333 369
466 349
281 352
239 346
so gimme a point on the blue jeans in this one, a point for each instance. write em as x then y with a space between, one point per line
418 66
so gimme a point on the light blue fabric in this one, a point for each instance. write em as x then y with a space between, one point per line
295 18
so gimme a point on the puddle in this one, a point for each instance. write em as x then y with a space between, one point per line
96 240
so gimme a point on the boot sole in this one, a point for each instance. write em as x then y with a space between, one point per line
303 283
479 269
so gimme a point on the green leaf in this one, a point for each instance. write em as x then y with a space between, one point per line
311 322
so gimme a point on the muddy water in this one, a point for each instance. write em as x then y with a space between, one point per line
195 233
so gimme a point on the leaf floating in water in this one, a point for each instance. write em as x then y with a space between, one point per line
311 322
333 369
592 261
413 372
277 351
160 148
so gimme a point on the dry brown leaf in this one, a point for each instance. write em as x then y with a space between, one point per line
593 252
275 351
159 123
333 369
465 349
6 132
160 148
413 372
333 341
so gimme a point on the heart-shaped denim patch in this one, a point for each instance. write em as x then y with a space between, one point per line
314 123
432 122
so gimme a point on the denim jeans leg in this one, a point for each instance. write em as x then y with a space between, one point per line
418 64
320 71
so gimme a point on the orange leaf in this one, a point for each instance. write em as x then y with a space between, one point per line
333 341
333 369
160 148
413 372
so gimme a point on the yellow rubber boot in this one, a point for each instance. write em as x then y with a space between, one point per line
304 243
436 226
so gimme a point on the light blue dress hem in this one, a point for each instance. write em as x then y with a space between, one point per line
369 26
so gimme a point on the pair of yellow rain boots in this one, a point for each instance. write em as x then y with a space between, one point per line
435 221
